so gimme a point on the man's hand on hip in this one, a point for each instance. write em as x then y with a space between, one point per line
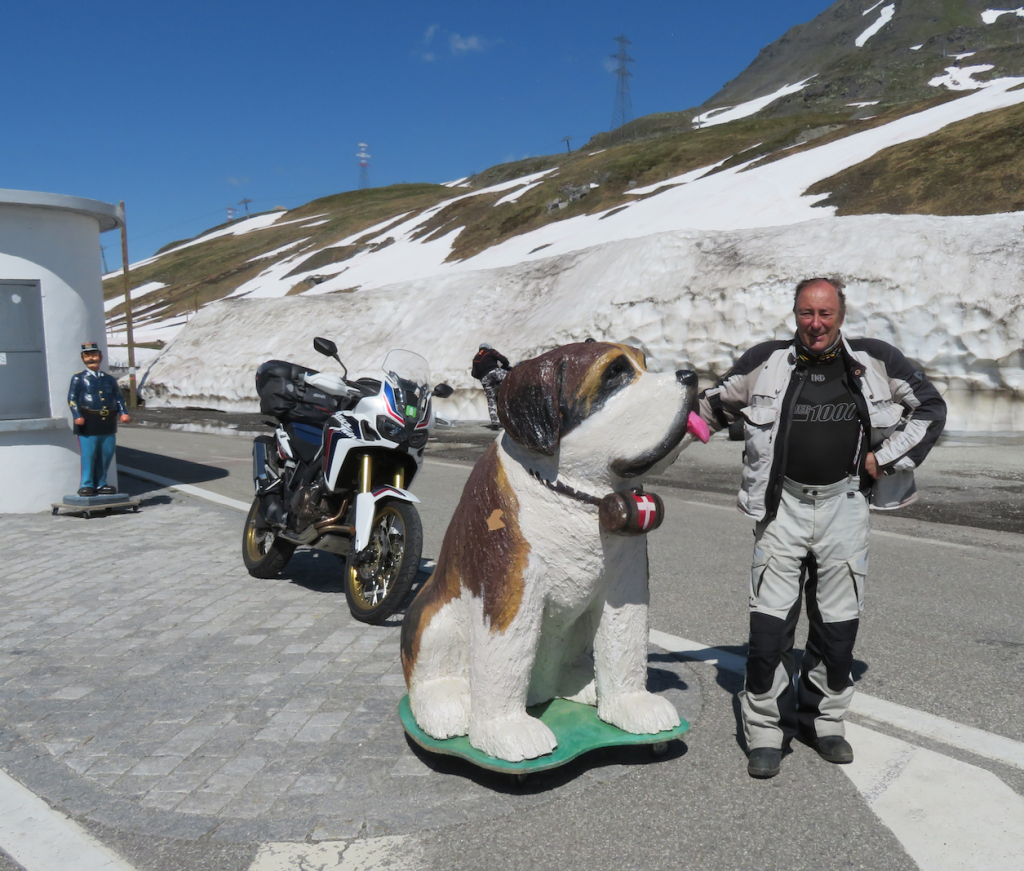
871 466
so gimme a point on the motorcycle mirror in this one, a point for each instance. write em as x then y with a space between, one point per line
329 349
443 391
325 347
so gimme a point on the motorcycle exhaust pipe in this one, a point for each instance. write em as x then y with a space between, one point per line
343 531
320 525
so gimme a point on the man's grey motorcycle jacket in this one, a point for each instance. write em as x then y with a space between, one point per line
901 414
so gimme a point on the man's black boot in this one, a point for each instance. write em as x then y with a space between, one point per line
764 762
834 748
86 491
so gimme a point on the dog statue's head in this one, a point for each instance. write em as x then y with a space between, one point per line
596 406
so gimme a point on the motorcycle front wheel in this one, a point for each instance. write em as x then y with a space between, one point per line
263 554
378 580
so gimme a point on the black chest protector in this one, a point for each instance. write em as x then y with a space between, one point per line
825 428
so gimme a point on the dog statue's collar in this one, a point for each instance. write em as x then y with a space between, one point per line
627 514
558 487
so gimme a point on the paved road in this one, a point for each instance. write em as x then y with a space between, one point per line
190 716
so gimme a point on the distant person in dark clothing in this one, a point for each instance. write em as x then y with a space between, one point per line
96 406
490 369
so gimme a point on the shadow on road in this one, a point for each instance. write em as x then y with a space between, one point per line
552 778
183 471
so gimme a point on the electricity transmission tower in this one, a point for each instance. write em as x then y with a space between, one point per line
622 113
364 166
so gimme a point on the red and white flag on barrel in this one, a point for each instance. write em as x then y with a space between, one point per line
631 513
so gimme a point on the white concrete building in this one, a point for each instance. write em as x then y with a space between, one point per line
51 300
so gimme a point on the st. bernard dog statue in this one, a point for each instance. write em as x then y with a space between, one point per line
532 597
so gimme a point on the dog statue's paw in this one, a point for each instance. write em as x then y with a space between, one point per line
441 707
585 696
521 737
641 713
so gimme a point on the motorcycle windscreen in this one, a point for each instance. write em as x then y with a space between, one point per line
409 376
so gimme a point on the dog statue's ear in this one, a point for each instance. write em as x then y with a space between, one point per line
528 403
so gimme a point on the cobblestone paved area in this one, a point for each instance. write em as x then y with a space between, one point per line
149 684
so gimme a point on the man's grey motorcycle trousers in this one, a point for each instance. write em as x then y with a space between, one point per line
816 548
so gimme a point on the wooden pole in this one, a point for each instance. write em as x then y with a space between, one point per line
132 390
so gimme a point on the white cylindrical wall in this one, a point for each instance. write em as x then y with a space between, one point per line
59 248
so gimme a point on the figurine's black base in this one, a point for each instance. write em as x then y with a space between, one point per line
87 506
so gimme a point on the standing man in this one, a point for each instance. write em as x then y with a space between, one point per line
831 425
490 369
96 405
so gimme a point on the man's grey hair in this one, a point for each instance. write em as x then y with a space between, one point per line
835 281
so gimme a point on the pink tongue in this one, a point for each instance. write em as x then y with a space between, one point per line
695 426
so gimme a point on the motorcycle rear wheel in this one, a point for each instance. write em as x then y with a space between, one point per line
377 585
263 553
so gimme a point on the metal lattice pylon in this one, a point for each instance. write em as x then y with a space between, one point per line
622 113
364 166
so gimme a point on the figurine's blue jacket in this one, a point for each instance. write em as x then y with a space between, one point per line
96 397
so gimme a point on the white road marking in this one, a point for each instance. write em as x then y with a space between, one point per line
397 853
977 741
466 466
190 489
947 814
41 839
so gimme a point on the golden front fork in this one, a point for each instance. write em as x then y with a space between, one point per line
365 473
400 479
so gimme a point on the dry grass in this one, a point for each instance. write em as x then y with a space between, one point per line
974 167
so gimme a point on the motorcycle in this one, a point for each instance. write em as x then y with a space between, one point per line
335 474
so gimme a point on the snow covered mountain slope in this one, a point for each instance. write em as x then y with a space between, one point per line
888 51
942 289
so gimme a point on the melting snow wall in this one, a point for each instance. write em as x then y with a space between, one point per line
946 291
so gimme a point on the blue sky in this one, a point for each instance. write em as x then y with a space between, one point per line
184 108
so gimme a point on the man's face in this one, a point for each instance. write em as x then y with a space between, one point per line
818 316
92 359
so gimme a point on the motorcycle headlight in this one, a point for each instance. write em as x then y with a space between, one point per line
389 429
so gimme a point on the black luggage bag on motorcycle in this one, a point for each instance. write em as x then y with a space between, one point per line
284 394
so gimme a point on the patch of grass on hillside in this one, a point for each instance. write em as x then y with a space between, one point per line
973 167
211 270
509 171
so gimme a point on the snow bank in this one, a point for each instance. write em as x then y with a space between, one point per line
136 293
941 289
961 78
745 110
989 16
883 19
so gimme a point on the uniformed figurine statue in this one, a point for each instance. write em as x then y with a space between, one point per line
96 405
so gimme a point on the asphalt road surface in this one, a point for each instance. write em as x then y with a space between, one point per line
940 657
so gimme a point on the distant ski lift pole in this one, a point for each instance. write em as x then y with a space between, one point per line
245 202
566 139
